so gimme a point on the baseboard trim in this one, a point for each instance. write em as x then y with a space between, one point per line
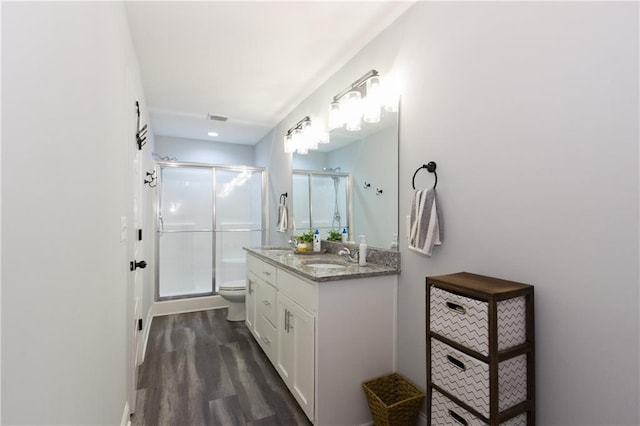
171 307
195 304
126 418
147 327
422 419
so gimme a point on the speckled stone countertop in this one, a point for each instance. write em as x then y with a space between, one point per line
298 264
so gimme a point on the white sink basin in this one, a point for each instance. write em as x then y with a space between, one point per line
277 251
325 265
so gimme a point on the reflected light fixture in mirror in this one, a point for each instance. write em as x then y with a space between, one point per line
362 101
304 137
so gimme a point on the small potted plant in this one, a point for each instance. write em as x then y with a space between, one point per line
305 241
334 235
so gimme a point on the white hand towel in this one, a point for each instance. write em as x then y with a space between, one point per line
283 218
425 222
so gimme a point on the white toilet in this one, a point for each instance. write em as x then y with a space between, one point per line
234 293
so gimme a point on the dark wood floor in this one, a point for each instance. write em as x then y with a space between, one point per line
201 369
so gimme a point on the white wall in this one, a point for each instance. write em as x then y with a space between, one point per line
64 167
198 151
269 153
531 112
373 160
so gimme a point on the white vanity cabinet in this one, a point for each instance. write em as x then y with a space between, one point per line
265 328
330 336
296 338
261 304
296 349
250 301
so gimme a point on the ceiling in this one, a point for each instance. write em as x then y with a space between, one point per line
252 62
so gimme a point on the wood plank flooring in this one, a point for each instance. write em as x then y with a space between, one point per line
201 369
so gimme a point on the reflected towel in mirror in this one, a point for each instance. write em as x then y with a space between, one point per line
283 218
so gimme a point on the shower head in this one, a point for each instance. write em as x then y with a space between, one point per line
329 169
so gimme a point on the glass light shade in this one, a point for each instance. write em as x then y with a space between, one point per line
323 137
373 102
336 118
352 106
288 144
307 126
309 131
390 95
297 139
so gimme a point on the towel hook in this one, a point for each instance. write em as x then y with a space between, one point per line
152 179
283 195
431 168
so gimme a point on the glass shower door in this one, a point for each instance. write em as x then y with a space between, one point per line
238 220
185 237
329 202
320 201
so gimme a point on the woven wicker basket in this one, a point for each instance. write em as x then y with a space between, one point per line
393 400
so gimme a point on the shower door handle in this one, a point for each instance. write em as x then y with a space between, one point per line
135 264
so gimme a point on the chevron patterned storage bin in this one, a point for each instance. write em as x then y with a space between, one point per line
466 320
445 412
480 351
467 378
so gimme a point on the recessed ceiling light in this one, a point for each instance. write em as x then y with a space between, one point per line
212 134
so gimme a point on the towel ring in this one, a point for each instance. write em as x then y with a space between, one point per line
431 168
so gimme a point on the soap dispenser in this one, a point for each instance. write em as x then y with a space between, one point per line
394 243
344 235
362 257
316 241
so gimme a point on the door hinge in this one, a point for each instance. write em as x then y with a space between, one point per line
140 324
139 234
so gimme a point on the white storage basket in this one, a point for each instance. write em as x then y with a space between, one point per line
466 320
445 412
467 378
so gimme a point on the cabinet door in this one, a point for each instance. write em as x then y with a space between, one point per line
266 296
266 335
296 349
250 301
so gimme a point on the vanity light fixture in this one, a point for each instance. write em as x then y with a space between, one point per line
363 100
303 137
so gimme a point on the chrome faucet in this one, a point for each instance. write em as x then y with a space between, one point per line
347 254
293 242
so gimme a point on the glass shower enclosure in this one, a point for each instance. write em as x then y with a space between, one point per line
321 200
205 215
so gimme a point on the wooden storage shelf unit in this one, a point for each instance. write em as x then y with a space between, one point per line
480 351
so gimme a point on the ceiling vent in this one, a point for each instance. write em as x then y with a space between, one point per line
216 117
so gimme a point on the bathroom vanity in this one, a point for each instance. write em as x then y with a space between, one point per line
326 325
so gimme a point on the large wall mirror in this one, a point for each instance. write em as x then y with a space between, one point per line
351 182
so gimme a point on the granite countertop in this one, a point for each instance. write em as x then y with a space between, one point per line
298 264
